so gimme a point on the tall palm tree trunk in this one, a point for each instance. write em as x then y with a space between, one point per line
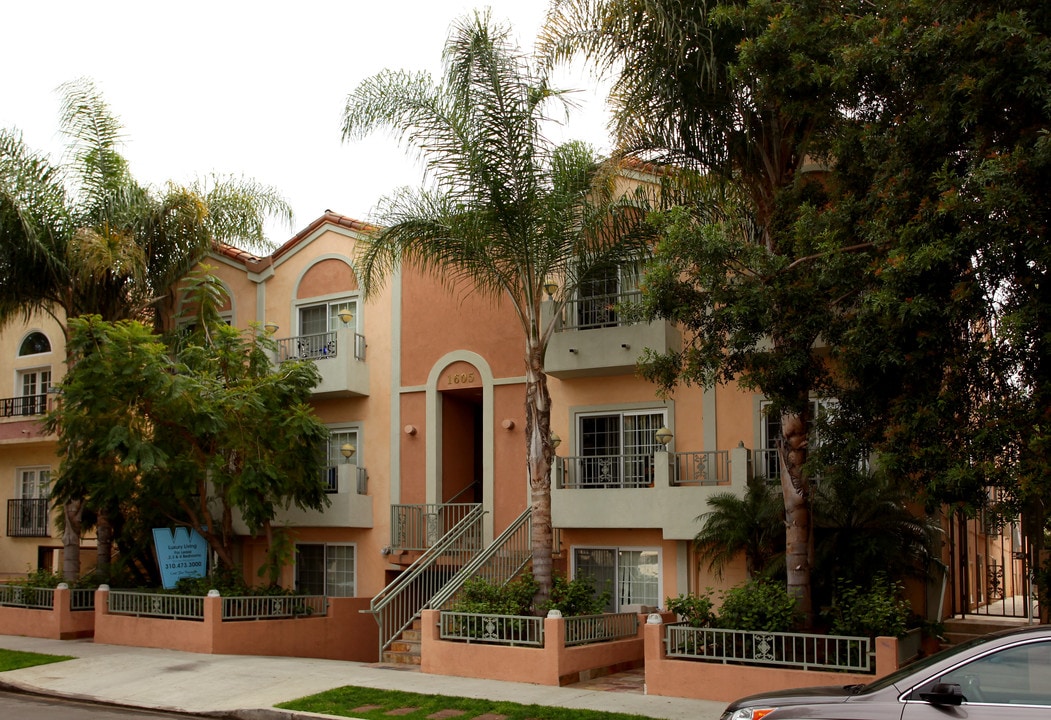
71 528
538 461
795 487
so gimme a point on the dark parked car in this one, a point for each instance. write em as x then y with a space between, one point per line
1002 675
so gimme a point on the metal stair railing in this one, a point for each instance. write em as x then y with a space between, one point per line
397 605
498 563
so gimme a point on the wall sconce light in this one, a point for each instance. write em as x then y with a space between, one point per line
347 451
664 436
508 424
549 287
410 429
270 327
345 315
573 350
555 441
625 346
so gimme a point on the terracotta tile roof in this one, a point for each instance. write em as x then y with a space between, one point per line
255 263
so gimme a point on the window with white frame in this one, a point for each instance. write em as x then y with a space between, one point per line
631 574
334 457
318 323
601 291
33 386
35 343
326 569
768 464
616 449
33 492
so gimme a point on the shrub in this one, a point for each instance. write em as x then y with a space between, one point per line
868 612
577 597
758 605
695 610
512 598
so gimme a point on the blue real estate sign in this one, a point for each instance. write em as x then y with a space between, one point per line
181 552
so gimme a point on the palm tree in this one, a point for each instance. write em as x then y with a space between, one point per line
862 520
753 525
506 212
85 238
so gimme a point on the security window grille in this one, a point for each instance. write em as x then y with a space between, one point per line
601 293
617 449
325 570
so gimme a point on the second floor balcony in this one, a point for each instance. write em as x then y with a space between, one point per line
594 336
28 517
350 505
340 358
24 406
663 490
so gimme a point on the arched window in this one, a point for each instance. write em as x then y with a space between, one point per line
34 344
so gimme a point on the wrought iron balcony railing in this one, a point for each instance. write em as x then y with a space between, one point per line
28 517
25 405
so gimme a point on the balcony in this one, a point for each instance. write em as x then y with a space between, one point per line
28 517
593 337
350 505
664 490
25 406
340 358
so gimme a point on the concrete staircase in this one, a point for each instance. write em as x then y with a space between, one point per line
958 630
406 649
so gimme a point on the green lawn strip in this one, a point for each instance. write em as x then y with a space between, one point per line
15 659
375 704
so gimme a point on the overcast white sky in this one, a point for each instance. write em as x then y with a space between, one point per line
246 88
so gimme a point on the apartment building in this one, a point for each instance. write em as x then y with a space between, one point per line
423 391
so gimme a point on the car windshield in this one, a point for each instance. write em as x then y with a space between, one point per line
918 666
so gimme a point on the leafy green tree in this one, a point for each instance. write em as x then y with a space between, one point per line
752 525
201 431
86 238
507 210
743 93
948 164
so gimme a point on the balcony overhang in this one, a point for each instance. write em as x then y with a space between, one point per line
615 350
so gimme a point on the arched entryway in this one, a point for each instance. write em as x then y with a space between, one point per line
460 441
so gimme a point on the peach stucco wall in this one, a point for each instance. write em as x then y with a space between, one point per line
553 664
59 623
715 681
344 634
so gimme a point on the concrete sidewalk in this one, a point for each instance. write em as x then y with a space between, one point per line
247 687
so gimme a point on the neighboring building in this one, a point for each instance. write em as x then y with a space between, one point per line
423 391
32 359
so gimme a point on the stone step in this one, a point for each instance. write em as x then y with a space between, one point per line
394 657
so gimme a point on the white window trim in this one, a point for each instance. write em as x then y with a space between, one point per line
21 340
356 324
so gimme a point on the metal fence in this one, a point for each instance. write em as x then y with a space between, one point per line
495 629
792 650
23 406
709 467
176 607
418 527
27 597
271 607
586 629
28 517
599 310
605 471
81 599
316 347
